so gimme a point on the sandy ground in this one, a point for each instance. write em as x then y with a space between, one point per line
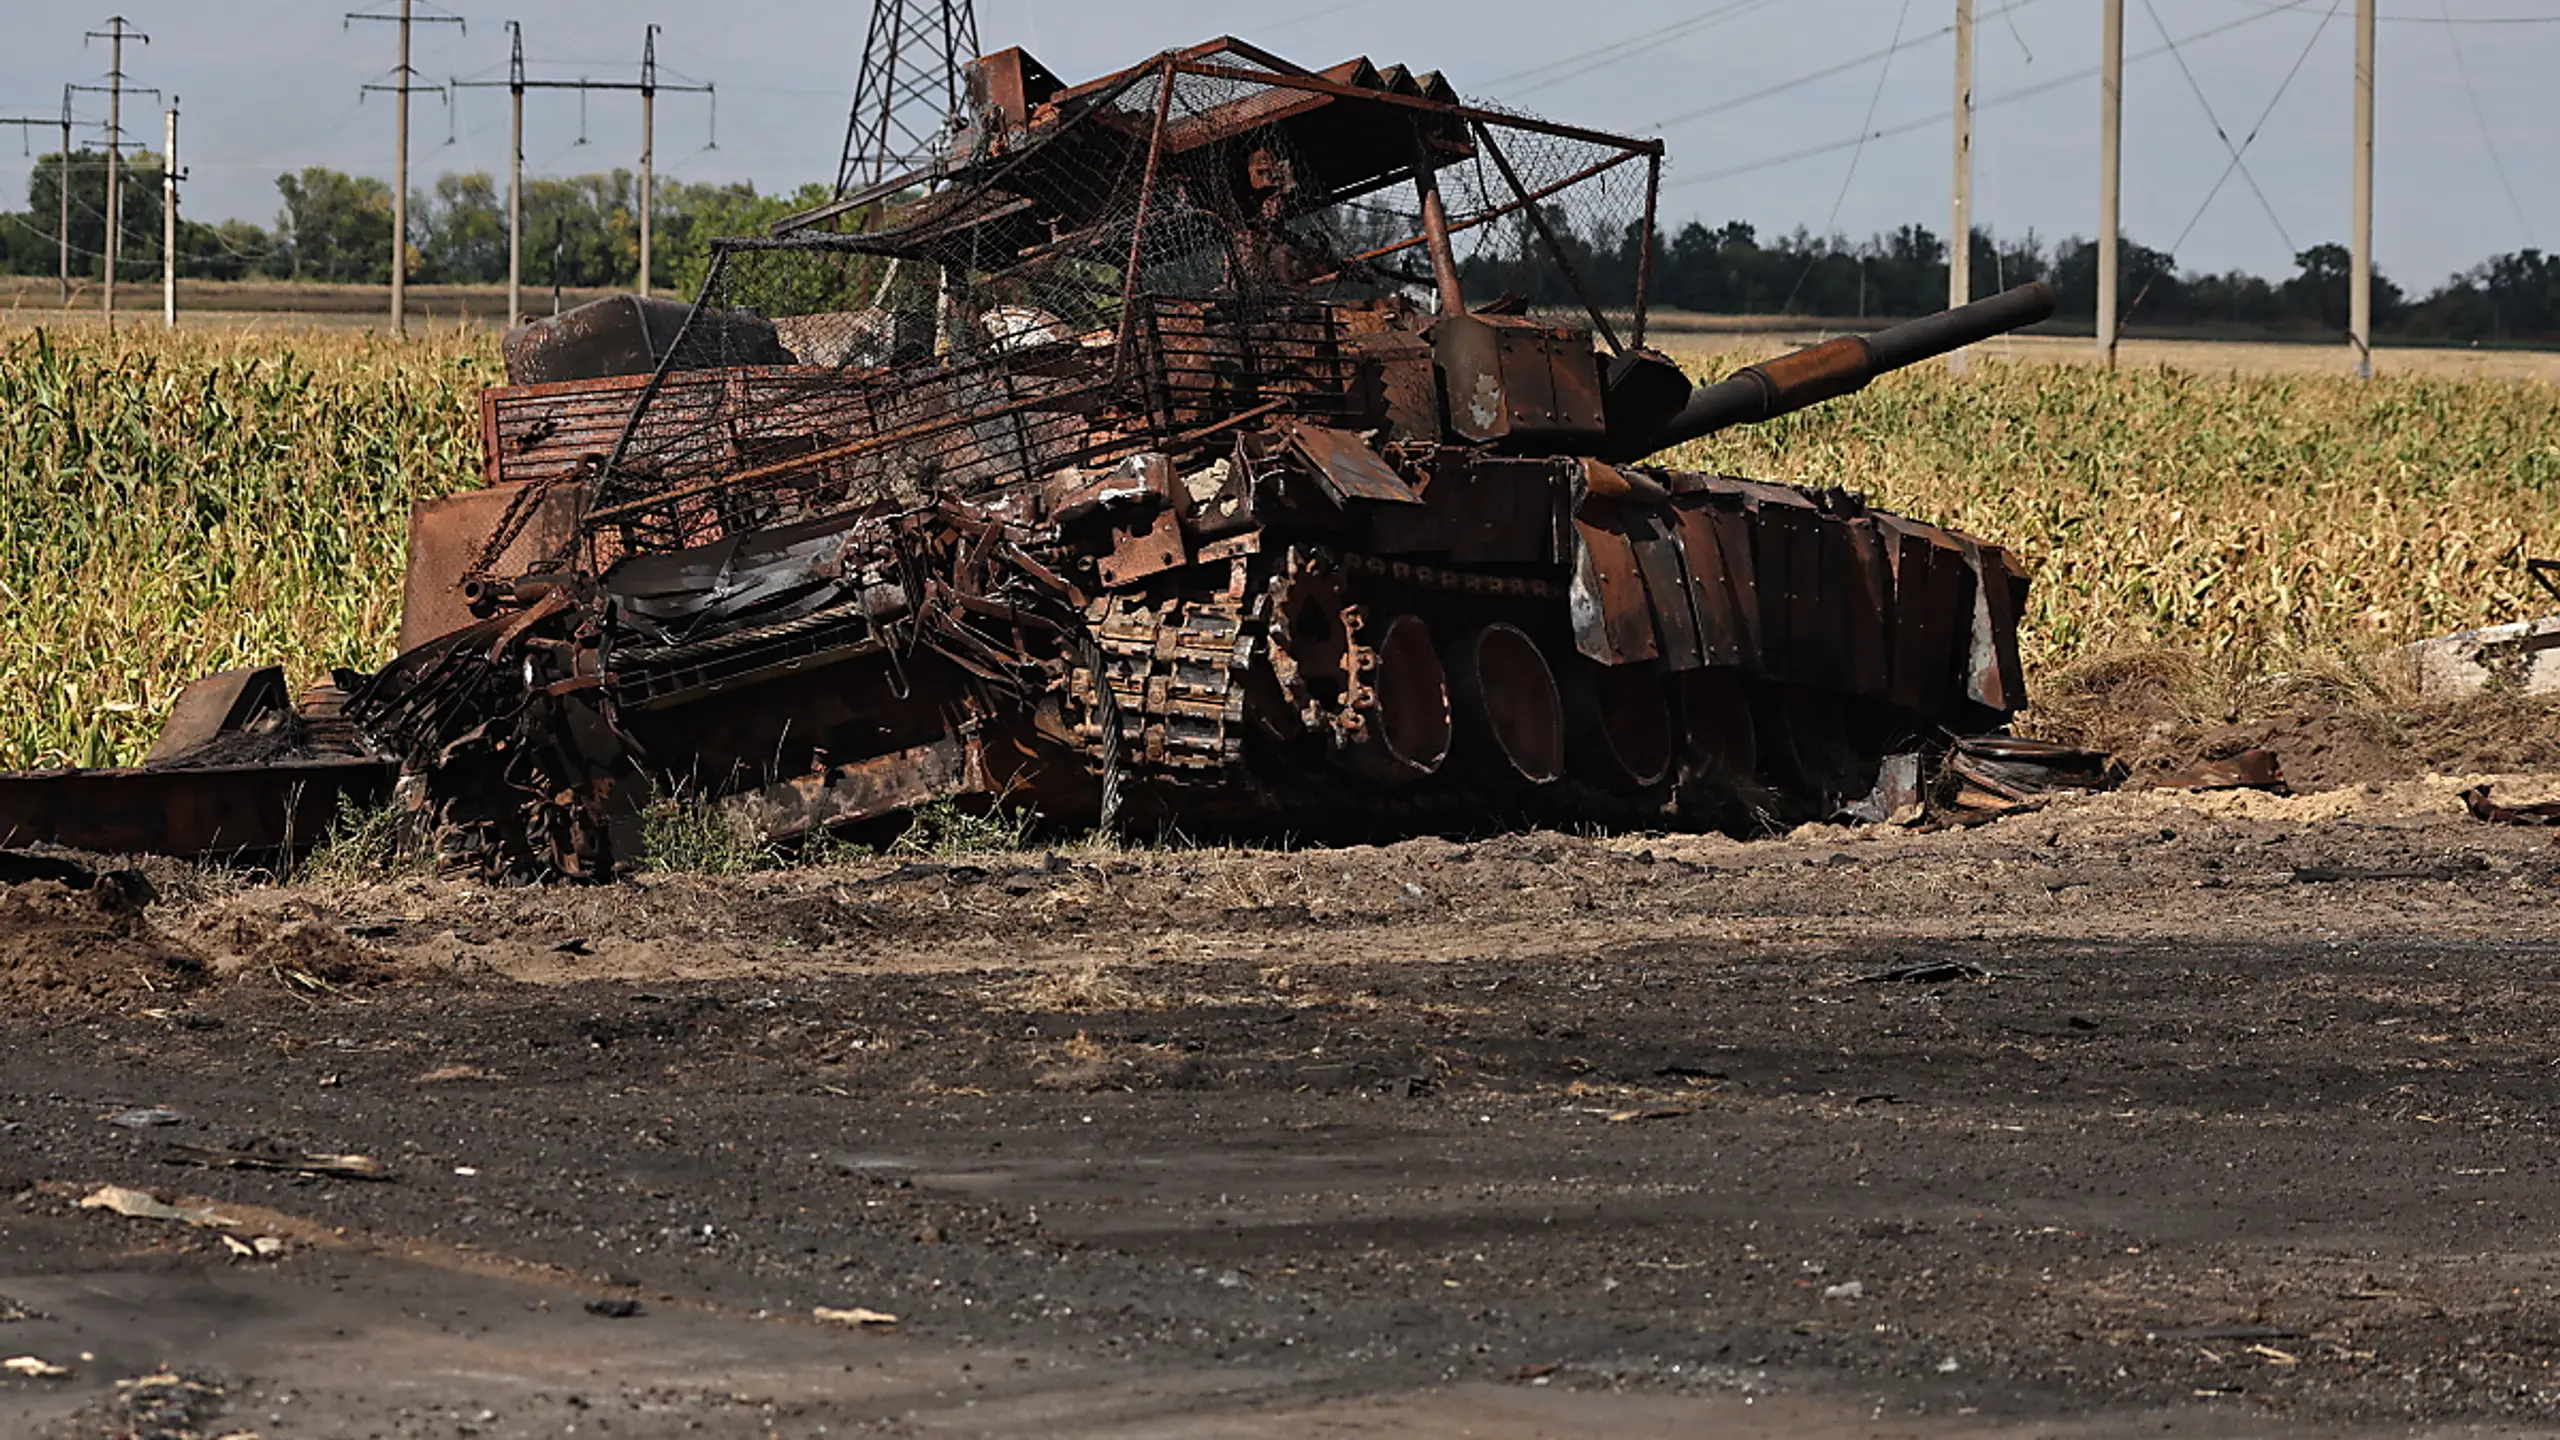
2200 1115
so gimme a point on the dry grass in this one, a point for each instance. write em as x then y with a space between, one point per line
171 505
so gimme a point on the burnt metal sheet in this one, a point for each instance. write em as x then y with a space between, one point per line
1514 378
1721 640
1667 585
1869 609
1347 467
865 789
1994 678
1932 596
212 812
1828 606
1774 559
1732 528
1477 511
1612 619
217 704
1143 548
446 536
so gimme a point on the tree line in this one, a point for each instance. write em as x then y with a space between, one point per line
582 231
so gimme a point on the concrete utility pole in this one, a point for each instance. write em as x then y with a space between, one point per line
648 144
2110 176
2360 278
169 220
400 155
648 85
515 84
1960 242
115 34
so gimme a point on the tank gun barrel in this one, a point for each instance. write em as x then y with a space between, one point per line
1838 367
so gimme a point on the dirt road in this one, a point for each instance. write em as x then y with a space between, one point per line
2208 1115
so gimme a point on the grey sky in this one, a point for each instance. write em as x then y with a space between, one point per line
272 85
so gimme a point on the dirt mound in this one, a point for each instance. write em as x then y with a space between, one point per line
62 948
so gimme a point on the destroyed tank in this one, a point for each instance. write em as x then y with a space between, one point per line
1195 448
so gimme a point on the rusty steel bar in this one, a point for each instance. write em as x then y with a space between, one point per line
1644 256
1460 111
1138 225
850 450
1435 227
1546 232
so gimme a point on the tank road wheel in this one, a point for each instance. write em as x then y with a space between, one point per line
1399 728
1510 716
1619 723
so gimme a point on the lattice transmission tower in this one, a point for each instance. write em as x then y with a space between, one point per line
909 96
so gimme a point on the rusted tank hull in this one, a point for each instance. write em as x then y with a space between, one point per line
256 812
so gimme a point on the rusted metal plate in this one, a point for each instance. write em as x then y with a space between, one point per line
246 811
866 789
1932 599
1347 467
1612 618
446 535
1733 544
1510 377
1993 675
218 704
1667 587
1477 511
1825 608
1869 610
1147 547
1774 558
1721 640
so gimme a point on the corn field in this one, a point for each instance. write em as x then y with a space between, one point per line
175 505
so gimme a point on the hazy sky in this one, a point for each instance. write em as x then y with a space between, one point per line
272 85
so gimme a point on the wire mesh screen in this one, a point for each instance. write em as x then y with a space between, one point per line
1160 252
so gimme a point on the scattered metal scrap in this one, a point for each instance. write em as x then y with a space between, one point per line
1176 449
2477 801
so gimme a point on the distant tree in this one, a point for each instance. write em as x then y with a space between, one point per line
334 227
461 231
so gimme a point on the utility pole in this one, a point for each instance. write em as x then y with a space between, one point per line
2360 277
61 183
648 85
115 34
648 145
404 75
169 220
1960 243
2110 176
515 83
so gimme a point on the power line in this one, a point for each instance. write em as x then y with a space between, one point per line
1940 116
1900 18
2450 20
2195 88
1736 102
2196 218
1615 50
2453 38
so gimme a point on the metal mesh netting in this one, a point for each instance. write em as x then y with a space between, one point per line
1150 255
